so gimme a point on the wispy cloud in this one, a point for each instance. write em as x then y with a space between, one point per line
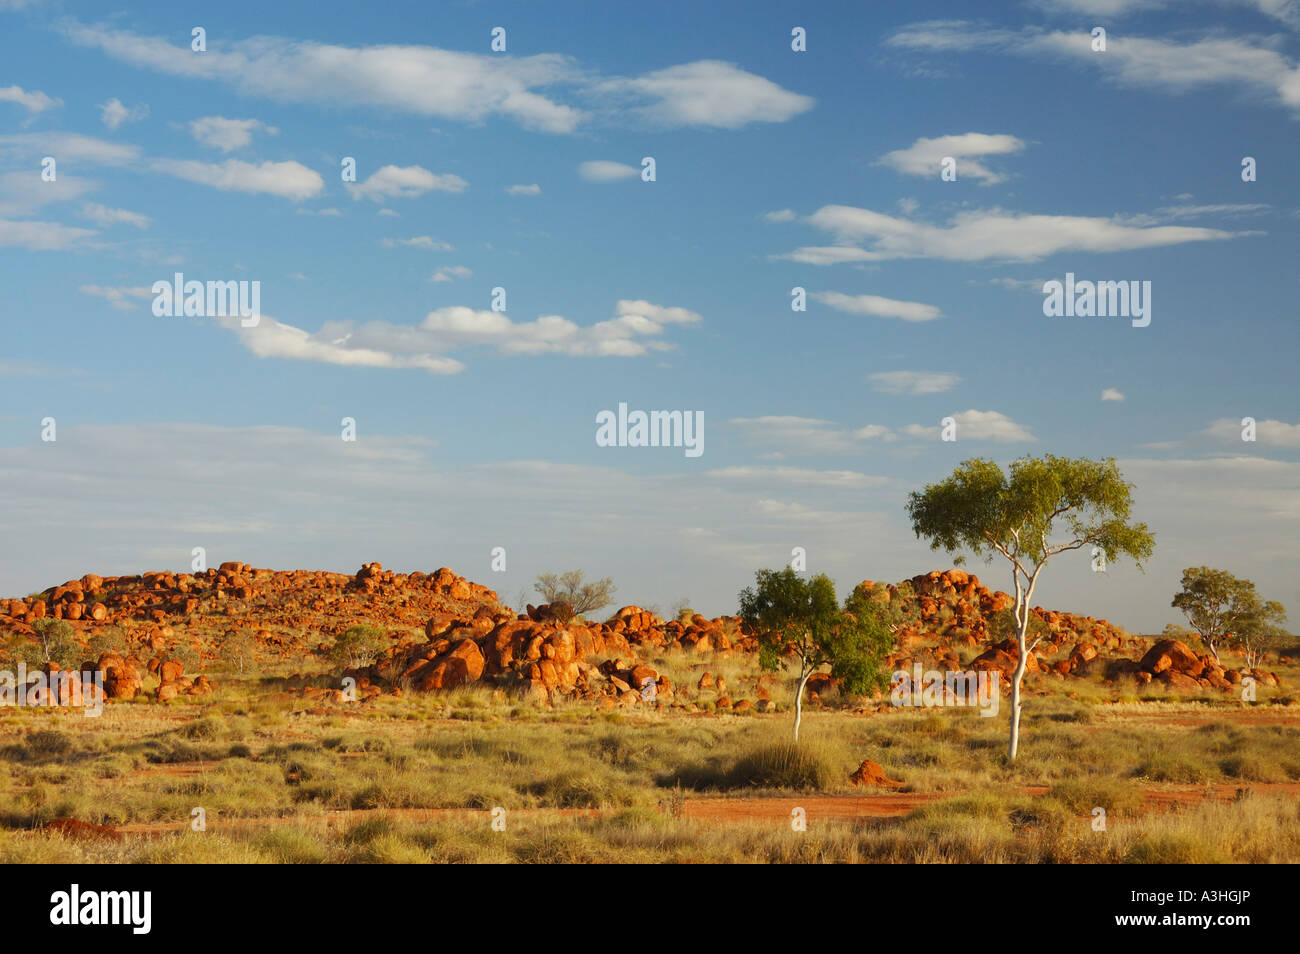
982 235
914 382
875 305
34 101
287 180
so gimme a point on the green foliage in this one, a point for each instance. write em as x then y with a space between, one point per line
569 588
1222 608
791 615
55 643
109 639
1002 625
981 509
358 646
237 650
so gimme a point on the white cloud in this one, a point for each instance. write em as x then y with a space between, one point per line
710 93
68 148
976 425
382 344
1285 11
426 242
1198 211
533 189
914 382
113 114
121 298
1270 433
392 213
41 236
878 307
924 156
328 212
873 431
423 80
288 180
978 235
218 132
799 475
1129 60
602 170
798 435
449 273
1112 394
642 310
103 216
1020 284
404 182
33 101
465 87
780 215
22 193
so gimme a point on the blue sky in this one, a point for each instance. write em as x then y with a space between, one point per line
774 169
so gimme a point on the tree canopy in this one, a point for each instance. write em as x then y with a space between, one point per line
569 588
1222 608
797 619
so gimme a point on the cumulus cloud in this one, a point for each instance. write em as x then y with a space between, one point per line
218 132
879 307
977 235
1270 433
780 215
533 189
631 333
1112 394
404 182
709 93
977 426
923 157
288 180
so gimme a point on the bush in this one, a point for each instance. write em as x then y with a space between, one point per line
48 742
358 646
785 765
56 643
237 651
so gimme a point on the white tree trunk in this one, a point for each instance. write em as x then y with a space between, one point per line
1022 631
804 674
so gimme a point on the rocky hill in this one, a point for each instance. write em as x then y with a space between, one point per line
445 632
